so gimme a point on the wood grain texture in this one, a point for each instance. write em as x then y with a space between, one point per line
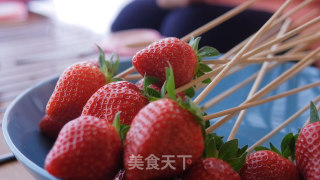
31 52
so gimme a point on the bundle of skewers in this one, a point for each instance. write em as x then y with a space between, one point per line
157 120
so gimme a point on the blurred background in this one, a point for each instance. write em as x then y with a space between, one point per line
38 40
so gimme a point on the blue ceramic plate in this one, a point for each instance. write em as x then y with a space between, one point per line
20 123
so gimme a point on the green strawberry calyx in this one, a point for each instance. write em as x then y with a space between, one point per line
287 147
109 67
289 141
150 93
120 128
201 53
226 151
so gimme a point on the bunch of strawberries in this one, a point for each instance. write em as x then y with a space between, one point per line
107 128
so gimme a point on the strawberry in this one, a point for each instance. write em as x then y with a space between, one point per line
185 59
75 86
162 128
211 168
86 148
50 127
114 97
266 164
308 147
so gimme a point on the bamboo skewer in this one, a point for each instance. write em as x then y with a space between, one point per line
282 78
259 102
307 16
258 60
284 37
294 10
282 18
257 83
227 93
133 77
288 45
281 126
125 72
238 56
131 70
217 21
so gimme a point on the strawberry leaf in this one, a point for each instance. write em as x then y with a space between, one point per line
288 146
206 81
205 51
274 149
237 163
149 92
169 83
200 73
242 150
210 147
228 150
190 92
120 128
204 68
152 93
108 68
116 121
314 115
232 154
218 140
207 123
208 51
260 148
123 131
194 43
148 80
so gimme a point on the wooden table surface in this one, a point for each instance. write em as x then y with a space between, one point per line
30 52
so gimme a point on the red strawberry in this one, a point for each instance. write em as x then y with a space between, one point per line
163 128
76 85
86 148
50 127
115 97
211 168
308 151
268 165
152 60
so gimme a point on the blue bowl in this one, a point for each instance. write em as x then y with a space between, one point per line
21 132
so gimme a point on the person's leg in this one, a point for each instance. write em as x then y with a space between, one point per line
182 21
139 14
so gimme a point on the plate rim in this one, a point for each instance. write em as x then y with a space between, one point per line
16 152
